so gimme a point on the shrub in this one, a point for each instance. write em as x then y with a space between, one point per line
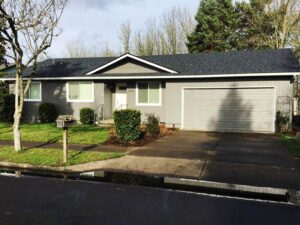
296 119
152 125
127 124
3 93
281 122
8 108
47 112
87 116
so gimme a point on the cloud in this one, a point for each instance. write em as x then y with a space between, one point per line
97 22
103 4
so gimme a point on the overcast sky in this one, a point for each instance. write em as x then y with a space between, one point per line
96 22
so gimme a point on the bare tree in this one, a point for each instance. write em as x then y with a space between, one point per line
125 37
108 52
139 46
168 36
77 49
29 28
285 16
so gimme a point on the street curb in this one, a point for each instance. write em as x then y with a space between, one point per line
21 166
227 186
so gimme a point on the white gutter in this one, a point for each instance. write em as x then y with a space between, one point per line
137 77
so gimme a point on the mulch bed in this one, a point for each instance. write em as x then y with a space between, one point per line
144 140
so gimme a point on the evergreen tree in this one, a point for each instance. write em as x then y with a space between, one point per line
216 26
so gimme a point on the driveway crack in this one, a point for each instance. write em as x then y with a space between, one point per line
213 155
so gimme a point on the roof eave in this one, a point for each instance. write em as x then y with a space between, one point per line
175 76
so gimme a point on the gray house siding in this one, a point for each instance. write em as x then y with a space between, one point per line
130 68
173 95
55 92
170 110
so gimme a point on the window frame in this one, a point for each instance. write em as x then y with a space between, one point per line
79 100
34 100
137 94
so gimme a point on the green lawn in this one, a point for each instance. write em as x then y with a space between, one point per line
292 143
79 134
52 157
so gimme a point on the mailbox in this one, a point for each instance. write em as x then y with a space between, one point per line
65 121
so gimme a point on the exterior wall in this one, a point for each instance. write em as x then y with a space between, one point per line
170 109
129 68
173 95
107 103
55 92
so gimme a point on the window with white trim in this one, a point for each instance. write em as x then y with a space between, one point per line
34 92
80 91
148 93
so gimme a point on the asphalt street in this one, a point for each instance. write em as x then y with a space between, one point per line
43 201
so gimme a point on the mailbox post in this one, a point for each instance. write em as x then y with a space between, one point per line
65 121
65 147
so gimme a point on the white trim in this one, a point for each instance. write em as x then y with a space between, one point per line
226 87
80 100
137 77
137 95
132 57
34 100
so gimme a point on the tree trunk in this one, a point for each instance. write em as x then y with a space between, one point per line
19 98
17 133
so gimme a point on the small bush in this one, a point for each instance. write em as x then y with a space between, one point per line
8 108
87 116
152 125
47 112
127 124
296 119
282 122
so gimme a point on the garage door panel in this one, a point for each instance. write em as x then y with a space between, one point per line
226 109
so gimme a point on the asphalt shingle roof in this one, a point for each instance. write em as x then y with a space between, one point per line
233 62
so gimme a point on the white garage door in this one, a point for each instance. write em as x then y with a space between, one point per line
229 109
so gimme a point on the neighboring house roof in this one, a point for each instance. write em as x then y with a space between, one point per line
203 64
6 66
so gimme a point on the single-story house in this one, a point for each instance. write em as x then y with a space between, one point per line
235 91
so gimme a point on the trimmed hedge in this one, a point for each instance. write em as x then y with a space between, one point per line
7 108
87 116
47 113
152 125
127 124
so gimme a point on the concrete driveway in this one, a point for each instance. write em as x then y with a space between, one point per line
235 158
250 159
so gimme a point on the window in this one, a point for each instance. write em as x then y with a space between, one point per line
148 93
34 92
80 91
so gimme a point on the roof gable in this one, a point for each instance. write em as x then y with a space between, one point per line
130 67
135 63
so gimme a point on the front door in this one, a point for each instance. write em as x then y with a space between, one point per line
121 96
